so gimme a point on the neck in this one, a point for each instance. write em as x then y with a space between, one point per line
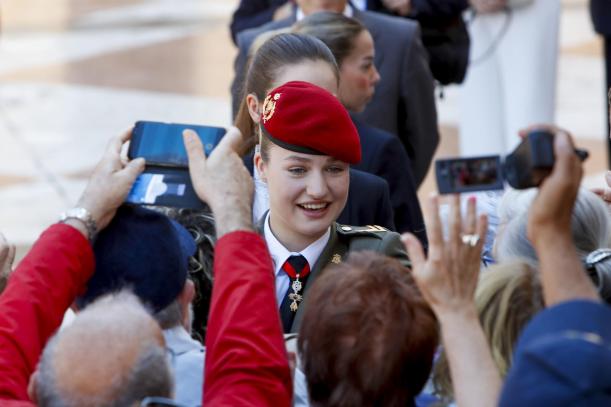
294 242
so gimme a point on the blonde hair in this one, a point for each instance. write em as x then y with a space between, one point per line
508 296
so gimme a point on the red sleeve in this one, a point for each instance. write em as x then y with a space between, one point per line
246 361
33 304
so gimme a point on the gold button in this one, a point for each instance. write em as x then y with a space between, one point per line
346 228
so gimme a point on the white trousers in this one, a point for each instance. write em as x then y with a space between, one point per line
515 85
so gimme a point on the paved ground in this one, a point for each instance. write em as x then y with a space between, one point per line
75 72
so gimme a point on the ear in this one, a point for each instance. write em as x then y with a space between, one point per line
184 299
261 166
253 107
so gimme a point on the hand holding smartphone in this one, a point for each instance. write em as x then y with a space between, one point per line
165 180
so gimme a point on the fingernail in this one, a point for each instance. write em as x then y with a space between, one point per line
188 134
472 199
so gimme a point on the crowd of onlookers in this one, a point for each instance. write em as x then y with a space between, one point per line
313 276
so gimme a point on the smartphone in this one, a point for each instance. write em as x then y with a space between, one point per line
456 175
165 180
161 144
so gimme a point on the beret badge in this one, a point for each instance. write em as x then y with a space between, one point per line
269 106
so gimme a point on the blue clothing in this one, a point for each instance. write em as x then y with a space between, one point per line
186 357
383 155
563 358
600 10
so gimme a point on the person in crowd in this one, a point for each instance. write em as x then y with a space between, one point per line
447 279
147 252
286 57
352 47
600 11
500 94
404 102
200 223
246 360
129 358
507 297
42 288
7 257
367 336
308 142
590 226
444 33
562 358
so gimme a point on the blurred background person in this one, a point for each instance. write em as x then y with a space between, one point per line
444 33
511 80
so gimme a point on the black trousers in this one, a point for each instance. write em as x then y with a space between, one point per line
607 41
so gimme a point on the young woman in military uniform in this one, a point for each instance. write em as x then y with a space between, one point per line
307 143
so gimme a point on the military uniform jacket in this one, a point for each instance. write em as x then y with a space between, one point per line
344 239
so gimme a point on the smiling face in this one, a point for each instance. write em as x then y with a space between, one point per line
358 74
306 194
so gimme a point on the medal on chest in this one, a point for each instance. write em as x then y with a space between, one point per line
296 296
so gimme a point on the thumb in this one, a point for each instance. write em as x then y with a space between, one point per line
133 169
414 250
232 140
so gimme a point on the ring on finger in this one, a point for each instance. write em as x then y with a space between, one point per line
470 239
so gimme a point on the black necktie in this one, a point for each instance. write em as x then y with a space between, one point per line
298 269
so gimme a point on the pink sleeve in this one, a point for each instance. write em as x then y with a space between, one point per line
33 304
246 361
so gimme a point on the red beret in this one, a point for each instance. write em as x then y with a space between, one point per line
307 119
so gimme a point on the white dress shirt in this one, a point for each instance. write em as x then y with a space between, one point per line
280 254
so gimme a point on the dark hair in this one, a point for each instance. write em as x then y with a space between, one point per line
337 31
200 223
266 62
367 336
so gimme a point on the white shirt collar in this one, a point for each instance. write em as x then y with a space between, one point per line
348 12
280 254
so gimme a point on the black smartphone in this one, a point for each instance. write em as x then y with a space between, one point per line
162 144
456 175
165 180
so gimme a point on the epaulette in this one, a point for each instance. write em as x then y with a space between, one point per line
361 230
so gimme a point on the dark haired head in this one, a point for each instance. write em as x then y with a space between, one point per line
266 63
367 337
337 31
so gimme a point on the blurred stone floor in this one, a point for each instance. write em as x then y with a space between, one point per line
74 73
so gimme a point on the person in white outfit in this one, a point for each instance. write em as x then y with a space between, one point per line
511 80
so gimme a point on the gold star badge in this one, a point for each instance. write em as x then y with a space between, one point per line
269 106
336 259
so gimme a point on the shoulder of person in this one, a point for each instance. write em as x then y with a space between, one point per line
370 237
245 38
389 25
375 238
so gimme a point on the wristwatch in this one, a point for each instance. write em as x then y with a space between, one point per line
84 216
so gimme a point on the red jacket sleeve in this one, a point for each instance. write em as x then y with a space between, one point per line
33 304
246 361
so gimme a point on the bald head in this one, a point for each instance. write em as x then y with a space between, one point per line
113 354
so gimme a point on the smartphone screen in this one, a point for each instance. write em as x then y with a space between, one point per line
469 174
162 143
